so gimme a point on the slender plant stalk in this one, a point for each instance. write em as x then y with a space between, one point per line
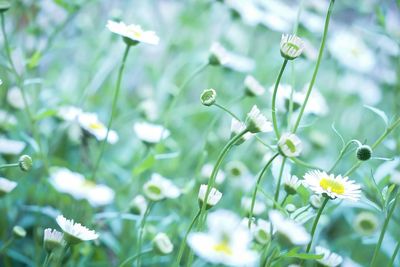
226 110
316 220
140 235
6 245
278 185
253 198
113 109
274 120
314 76
11 165
382 234
396 250
131 258
341 154
183 243
284 200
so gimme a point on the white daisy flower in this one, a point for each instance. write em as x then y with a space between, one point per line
6 186
330 259
15 98
206 171
75 184
257 122
236 128
213 197
150 133
291 46
227 241
278 16
248 10
262 231
289 229
91 124
366 223
291 184
253 87
259 206
220 56
133 32
290 145
334 187
11 147
53 239
69 113
159 188
350 50
162 244
138 205
75 233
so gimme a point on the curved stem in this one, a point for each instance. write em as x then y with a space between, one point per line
341 154
11 165
253 198
314 227
274 120
284 200
382 234
278 185
141 230
227 111
131 258
113 109
183 243
314 76
396 250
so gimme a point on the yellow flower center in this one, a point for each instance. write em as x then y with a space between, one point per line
96 126
89 184
223 247
332 185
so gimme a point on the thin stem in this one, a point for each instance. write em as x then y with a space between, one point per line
284 199
226 110
396 250
253 199
278 185
183 243
113 109
382 234
316 220
6 245
6 43
341 154
274 120
131 258
47 260
141 230
11 165
314 76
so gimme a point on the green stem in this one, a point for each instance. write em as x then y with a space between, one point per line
227 111
382 234
278 185
341 154
314 76
6 44
6 245
253 199
274 120
284 200
113 109
183 243
396 250
47 260
131 258
316 220
141 230
11 165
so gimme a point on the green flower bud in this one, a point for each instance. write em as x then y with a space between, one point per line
25 163
208 97
364 152
19 232
4 6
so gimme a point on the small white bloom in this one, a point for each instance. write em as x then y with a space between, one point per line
291 46
91 124
290 145
69 113
334 187
138 205
206 171
257 122
227 241
15 98
7 119
259 206
133 32
291 231
236 168
220 56
158 188
162 244
236 128
291 184
249 12
214 196
150 133
6 186
75 233
11 147
262 231
366 223
330 259
253 87
395 177
53 239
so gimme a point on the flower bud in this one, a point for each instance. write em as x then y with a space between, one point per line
291 46
214 196
138 205
53 239
6 186
25 163
208 97
290 145
153 191
19 232
364 152
366 223
290 208
162 244
256 122
291 184
253 87
262 232
4 6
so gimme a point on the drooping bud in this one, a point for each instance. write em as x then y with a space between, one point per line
4 6
214 196
162 244
291 46
25 163
364 152
208 97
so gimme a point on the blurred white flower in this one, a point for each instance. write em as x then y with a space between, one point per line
367 89
290 145
334 187
330 259
6 186
11 147
253 87
257 122
206 171
162 244
278 16
291 46
220 56
53 239
289 229
350 50
262 231
214 196
15 98
133 32
69 113
159 188
236 128
366 223
7 119
395 177
227 241
75 233
138 205
259 206
248 11
291 184
91 124
150 133
66 181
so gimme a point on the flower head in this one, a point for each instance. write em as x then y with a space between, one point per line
334 187
150 133
206 171
291 184
6 186
162 244
236 128
330 259
214 196
53 239
259 206
4 6
257 122
290 145
159 188
364 152
138 205
75 233
25 163
262 231
11 147
253 87
19 231
366 223
92 125
220 56
208 97
133 33
291 46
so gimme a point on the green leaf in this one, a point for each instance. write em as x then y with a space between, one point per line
293 253
146 164
45 114
380 113
33 62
